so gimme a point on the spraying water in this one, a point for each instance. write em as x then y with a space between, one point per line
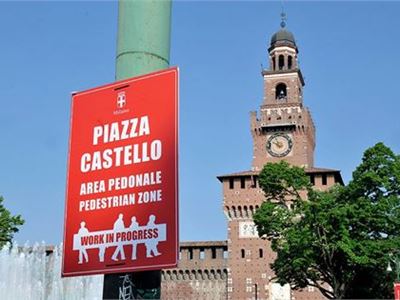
34 273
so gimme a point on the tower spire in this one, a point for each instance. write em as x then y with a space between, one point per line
283 18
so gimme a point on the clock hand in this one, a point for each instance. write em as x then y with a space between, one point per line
278 144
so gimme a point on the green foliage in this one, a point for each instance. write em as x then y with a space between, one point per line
8 224
280 182
338 240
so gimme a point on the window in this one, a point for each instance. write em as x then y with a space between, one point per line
225 254
312 179
254 184
243 253
281 62
213 253
261 253
290 62
280 91
231 183
324 179
242 182
190 254
249 289
202 254
336 179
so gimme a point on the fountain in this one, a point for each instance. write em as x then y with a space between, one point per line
34 273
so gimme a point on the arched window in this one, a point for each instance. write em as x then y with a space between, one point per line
207 274
290 62
228 211
280 91
251 209
281 62
242 252
261 253
246 214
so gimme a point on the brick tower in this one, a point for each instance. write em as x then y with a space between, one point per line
239 268
282 130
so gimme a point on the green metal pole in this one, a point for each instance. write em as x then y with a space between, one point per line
143 46
143 43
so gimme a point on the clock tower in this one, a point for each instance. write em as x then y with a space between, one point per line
284 129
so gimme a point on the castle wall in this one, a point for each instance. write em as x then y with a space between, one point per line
201 273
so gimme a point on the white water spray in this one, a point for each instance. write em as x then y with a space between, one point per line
31 273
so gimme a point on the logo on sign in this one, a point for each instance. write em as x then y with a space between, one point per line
121 102
121 99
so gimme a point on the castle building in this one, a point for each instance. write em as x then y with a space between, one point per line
282 129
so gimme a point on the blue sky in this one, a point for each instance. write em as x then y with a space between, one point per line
348 55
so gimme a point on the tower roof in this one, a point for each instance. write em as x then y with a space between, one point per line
283 37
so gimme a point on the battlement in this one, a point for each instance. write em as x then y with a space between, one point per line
202 272
270 115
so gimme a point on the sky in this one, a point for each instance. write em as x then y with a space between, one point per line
348 54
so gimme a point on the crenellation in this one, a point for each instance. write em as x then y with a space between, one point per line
184 254
220 253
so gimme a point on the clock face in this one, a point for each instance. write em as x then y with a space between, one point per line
279 145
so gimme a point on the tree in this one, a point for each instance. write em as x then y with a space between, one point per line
8 224
338 240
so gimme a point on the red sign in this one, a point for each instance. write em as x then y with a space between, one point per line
122 187
397 291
